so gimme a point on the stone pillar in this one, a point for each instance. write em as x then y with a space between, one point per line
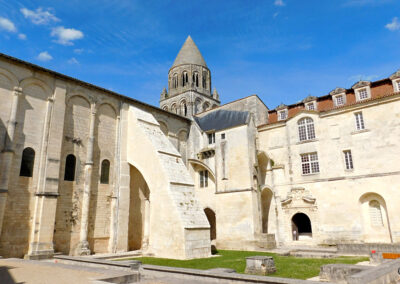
7 155
42 230
112 246
83 246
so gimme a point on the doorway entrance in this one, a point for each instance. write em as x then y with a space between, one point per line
301 227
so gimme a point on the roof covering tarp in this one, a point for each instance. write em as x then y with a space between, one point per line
222 119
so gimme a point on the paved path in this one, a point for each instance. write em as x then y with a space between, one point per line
39 272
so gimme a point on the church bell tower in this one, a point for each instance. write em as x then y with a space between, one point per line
189 84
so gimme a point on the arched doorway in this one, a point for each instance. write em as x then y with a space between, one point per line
266 197
301 227
139 211
211 219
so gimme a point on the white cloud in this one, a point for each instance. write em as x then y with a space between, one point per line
22 36
7 25
44 56
73 60
39 16
394 25
66 36
361 77
78 50
279 3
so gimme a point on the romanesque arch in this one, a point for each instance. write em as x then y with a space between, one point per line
266 200
139 211
212 220
301 227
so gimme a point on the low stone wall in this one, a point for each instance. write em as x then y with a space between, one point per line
214 276
365 249
386 273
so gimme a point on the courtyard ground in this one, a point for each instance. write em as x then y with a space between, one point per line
287 266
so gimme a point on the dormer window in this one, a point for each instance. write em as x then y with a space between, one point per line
397 85
310 106
362 90
396 81
282 114
363 94
339 100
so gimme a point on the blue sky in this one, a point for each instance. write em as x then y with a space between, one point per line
282 50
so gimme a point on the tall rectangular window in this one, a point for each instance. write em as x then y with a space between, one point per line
211 138
348 160
203 178
282 115
309 163
398 85
359 121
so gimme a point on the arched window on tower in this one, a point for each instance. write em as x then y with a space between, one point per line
105 172
195 79
70 165
185 78
306 129
27 162
173 108
183 108
175 81
206 106
204 77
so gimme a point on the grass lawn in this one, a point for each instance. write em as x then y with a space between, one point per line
286 266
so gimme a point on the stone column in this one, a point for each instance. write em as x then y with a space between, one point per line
83 246
7 155
42 230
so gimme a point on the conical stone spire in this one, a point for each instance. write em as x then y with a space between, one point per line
189 54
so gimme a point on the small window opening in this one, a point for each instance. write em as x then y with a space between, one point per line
27 162
203 178
211 138
105 172
70 165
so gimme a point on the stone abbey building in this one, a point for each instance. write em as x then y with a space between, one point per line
86 170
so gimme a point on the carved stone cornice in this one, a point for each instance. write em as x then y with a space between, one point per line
337 91
361 84
309 99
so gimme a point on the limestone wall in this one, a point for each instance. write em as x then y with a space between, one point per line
340 212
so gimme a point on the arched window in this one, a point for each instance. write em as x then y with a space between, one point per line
105 172
375 213
185 78
204 79
306 129
175 81
165 108
27 162
183 108
173 108
206 106
70 165
195 79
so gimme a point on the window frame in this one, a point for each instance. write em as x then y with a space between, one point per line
211 138
307 128
342 97
310 106
348 160
311 164
359 120
282 112
203 178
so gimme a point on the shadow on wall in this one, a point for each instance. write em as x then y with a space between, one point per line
139 199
